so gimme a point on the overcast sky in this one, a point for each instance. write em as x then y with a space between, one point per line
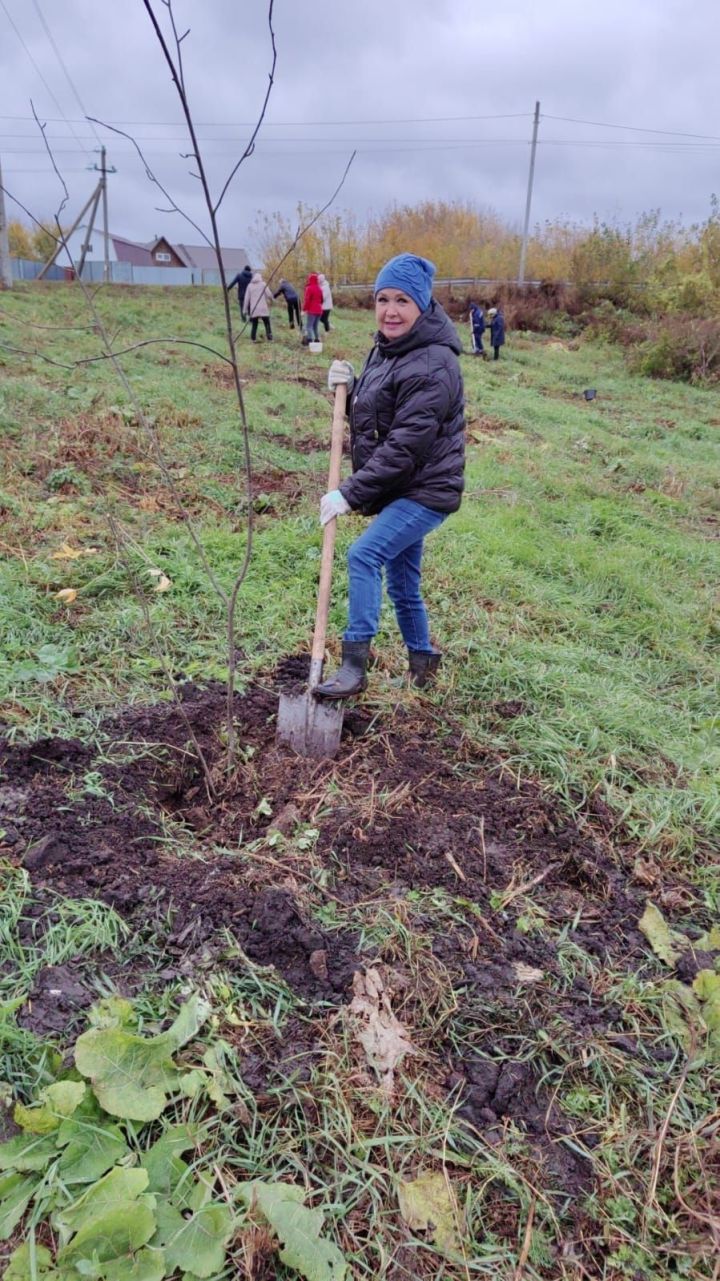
342 64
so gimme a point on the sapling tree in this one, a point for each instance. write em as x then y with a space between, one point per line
171 42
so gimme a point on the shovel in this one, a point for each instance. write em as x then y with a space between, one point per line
309 725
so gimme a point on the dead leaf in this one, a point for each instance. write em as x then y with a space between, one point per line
163 583
67 595
527 973
427 1205
665 942
318 964
66 552
646 872
381 1035
286 820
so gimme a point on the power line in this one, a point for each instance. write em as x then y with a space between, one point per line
312 124
61 60
309 145
63 117
67 169
603 124
286 124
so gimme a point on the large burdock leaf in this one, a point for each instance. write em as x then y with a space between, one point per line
119 1187
297 1229
668 944
193 1014
16 1191
111 1237
197 1244
27 1152
169 1176
148 1265
426 1205
112 1011
219 1084
381 1035
130 1074
22 1267
91 1144
56 1102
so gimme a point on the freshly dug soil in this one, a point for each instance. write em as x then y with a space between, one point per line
408 809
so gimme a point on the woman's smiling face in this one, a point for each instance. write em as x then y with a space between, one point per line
395 313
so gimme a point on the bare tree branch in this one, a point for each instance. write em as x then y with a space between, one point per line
112 354
176 68
173 207
251 144
34 324
176 71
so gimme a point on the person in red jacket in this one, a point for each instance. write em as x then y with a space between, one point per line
312 306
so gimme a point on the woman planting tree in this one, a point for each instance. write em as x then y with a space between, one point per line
408 453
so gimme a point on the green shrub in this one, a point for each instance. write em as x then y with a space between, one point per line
681 348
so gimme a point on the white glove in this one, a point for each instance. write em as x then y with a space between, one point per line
340 371
333 504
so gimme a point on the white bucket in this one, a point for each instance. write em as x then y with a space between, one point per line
315 348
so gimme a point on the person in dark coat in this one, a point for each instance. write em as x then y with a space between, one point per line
497 331
407 432
293 302
242 280
477 329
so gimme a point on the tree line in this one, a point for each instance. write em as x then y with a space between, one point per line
678 264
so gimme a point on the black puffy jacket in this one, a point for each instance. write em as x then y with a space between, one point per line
407 424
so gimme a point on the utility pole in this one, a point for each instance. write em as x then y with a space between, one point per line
5 268
528 203
99 193
63 239
88 232
106 254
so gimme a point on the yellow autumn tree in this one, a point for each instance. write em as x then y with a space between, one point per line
20 240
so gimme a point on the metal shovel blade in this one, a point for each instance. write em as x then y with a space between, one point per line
310 726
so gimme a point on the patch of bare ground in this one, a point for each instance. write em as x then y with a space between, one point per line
416 835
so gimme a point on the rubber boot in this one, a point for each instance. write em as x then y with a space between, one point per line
351 676
423 666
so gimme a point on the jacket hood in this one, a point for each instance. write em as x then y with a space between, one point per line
312 278
431 326
257 275
320 277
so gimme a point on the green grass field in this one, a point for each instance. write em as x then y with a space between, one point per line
575 597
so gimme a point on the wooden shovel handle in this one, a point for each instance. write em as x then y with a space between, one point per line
328 545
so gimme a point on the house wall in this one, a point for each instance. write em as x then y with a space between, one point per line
171 259
75 244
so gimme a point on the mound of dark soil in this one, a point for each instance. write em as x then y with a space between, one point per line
408 808
408 814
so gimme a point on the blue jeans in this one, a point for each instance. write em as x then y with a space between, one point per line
393 542
312 327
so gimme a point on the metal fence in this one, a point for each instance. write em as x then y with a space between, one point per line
25 269
124 273
121 273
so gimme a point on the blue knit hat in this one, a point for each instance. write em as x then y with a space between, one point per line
410 273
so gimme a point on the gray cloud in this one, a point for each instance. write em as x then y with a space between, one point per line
605 60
